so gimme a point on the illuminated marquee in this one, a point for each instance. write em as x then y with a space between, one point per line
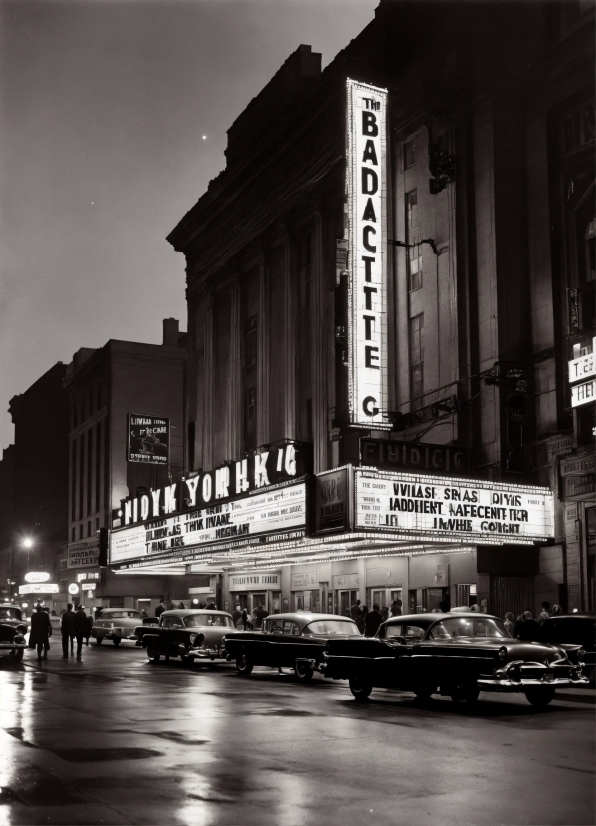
278 512
436 508
367 265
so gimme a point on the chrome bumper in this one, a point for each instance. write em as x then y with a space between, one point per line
201 653
517 676
11 645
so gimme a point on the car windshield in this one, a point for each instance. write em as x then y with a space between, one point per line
10 613
455 627
122 615
199 620
331 628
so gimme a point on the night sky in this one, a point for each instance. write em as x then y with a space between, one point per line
103 109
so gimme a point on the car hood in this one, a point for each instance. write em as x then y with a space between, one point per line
516 649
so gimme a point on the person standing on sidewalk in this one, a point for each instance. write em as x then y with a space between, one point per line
41 628
80 628
67 628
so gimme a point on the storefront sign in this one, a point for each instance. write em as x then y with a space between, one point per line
558 447
89 586
331 501
584 366
37 576
583 393
81 554
578 485
578 466
148 439
277 512
73 588
306 580
200 490
346 581
367 261
413 457
40 588
87 575
447 509
255 582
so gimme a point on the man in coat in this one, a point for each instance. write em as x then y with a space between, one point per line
41 628
372 621
160 609
259 614
67 628
80 628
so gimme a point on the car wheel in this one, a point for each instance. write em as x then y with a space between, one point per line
467 693
117 640
540 696
424 691
17 654
99 640
360 688
152 654
304 672
243 665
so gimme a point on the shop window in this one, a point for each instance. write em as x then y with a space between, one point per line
409 154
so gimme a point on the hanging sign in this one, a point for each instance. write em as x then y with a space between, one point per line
39 588
37 576
428 507
367 261
148 439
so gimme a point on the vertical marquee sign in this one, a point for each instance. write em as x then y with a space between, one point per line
367 296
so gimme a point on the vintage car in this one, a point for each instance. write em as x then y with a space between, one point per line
116 624
573 632
191 634
289 641
12 631
456 655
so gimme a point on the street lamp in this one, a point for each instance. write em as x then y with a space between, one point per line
28 543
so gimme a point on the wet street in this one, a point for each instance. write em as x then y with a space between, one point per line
115 740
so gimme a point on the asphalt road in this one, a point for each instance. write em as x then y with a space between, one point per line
115 740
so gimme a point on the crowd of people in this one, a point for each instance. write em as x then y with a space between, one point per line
74 625
525 627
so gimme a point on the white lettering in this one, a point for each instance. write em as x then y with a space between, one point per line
169 504
261 477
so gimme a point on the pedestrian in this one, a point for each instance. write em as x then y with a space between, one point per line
181 605
259 614
509 622
356 611
545 613
245 619
160 609
237 617
67 629
89 627
475 609
80 628
211 606
144 614
362 618
527 628
557 611
396 608
385 612
372 621
41 631
444 606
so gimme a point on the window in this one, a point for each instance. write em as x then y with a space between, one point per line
468 627
414 268
250 348
411 211
332 628
89 528
216 620
291 629
73 534
416 360
98 467
414 257
409 154
406 632
579 128
73 481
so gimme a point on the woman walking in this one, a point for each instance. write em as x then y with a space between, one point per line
41 628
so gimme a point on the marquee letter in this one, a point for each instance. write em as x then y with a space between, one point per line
155 497
261 477
368 409
369 357
127 512
369 212
169 495
144 506
222 482
370 153
242 483
207 487
365 238
291 460
369 124
192 485
369 178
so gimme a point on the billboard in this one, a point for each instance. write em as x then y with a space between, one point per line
148 439
430 508
83 554
280 513
366 184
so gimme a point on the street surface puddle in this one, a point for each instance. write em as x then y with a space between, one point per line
104 755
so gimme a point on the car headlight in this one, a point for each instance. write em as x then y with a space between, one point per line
581 653
502 653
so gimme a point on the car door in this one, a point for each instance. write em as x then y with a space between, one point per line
288 645
177 635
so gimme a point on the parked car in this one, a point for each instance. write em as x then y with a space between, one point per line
457 655
116 624
191 634
289 641
576 633
12 631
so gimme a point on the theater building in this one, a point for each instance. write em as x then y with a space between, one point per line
377 290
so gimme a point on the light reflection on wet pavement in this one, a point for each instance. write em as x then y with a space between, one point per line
116 740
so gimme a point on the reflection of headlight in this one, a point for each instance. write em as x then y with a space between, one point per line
502 653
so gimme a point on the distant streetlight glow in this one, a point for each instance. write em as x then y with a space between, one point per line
28 543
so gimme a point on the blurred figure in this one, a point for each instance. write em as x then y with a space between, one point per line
384 613
545 613
396 608
372 621
237 617
80 628
67 629
527 628
557 611
41 628
509 622
160 609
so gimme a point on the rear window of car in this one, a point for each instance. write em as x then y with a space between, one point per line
408 631
331 628
213 620
122 615
10 613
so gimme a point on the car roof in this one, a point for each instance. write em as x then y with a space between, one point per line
438 616
586 615
192 612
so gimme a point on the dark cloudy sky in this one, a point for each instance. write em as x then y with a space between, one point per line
103 105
